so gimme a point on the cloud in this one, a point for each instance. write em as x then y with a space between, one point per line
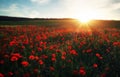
15 10
40 1
115 6
103 9
115 1
34 14
79 7
114 10
12 7
12 10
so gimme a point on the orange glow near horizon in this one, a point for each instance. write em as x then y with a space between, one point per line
86 15
84 20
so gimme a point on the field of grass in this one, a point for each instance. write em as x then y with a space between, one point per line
59 49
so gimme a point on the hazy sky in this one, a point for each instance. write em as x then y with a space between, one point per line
93 9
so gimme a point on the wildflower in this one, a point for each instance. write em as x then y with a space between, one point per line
39 49
1 61
63 57
82 71
35 70
17 55
33 52
69 61
26 42
14 58
10 73
25 63
52 68
41 62
53 55
22 36
95 65
63 53
36 57
69 47
38 37
12 43
63 39
99 56
116 43
31 57
57 50
1 75
89 50
51 47
53 59
44 56
6 56
73 52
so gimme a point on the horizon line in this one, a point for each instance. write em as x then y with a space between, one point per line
54 18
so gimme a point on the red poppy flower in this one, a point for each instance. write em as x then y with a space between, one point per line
52 68
12 43
17 55
25 63
69 61
63 57
41 62
82 71
73 52
63 53
35 70
26 42
31 57
39 49
51 47
44 56
53 55
36 57
53 59
1 75
116 43
14 58
99 56
1 61
10 73
69 47
95 65
89 50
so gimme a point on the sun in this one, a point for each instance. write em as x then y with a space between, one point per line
84 20
85 15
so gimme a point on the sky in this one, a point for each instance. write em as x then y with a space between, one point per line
89 9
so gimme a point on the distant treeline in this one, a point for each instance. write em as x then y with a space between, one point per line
6 20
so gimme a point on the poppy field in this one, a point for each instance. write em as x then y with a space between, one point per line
44 51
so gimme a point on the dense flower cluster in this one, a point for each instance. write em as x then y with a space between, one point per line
43 51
